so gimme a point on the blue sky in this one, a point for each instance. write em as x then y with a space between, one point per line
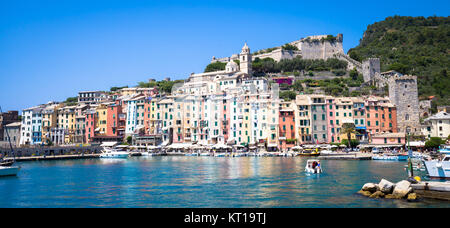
50 50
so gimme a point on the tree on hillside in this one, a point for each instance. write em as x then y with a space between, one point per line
288 95
216 66
414 46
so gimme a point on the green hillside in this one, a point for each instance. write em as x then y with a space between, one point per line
412 45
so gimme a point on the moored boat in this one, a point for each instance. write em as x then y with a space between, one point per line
445 150
309 152
391 157
9 170
191 154
112 153
438 169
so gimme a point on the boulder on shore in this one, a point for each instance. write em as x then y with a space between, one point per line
392 196
412 197
386 186
377 194
364 193
371 187
402 189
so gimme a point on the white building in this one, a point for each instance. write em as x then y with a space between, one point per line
437 125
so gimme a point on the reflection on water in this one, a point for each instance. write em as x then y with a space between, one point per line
199 182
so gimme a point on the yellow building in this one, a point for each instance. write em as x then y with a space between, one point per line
303 119
66 120
49 121
102 115
343 114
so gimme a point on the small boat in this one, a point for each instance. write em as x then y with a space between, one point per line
251 154
6 167
146 154
205 154
438 169
219 155
309 152
112 153
9 170
391 157
313 166
191 154
6 163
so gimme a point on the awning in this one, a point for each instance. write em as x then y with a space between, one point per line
380 145
416 144
109 144
272 145
220 146
179 145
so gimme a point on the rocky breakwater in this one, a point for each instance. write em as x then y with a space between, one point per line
389 190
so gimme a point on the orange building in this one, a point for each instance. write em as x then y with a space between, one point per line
287 128
381 116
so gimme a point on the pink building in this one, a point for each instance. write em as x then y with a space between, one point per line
91 119
390 139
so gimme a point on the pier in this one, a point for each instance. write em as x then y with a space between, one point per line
433 190
53 157
50 153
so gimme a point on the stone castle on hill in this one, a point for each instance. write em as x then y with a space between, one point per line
403 90
311 47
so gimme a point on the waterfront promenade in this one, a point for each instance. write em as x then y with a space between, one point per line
46 153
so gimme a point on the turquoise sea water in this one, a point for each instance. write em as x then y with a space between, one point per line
200 182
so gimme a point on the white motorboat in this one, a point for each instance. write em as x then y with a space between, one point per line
251 154
445 150
191 154
112 153
205 154
313 166
219 155
438 169
391 157
9 170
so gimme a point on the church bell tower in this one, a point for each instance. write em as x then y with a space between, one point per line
245 60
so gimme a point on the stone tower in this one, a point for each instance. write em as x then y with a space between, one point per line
403 94
245 59
370 67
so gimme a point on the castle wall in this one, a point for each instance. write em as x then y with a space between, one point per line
278 55
370 67
320 50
